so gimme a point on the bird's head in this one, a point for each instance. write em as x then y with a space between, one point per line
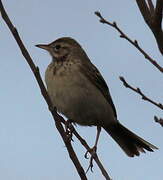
61 48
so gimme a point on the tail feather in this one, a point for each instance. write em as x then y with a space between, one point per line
130 143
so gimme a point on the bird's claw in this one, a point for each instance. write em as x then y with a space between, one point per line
92 151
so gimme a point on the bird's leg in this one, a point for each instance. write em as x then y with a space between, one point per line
69 128
93 150
97 137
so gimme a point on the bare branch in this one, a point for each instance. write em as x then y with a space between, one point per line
134 43
151 7
144 11
158 120
138 91
153 19
158 14
36 73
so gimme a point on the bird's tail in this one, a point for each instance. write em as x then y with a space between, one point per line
130 143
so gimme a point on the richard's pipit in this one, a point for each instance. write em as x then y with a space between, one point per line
78 90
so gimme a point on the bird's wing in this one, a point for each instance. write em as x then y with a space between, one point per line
92 73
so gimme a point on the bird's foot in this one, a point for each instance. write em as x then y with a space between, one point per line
69 129
92 151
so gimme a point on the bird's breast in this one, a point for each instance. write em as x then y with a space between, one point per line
64 85
76 97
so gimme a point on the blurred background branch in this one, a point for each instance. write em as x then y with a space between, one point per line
153 18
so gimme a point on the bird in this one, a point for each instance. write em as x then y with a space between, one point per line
78 91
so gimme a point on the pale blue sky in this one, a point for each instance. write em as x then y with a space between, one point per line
30 146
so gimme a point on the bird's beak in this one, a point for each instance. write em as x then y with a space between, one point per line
43 46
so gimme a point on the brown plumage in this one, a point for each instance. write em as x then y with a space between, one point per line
79 91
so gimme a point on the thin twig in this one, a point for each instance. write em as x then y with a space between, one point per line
134 43
158 120
36 73
137 90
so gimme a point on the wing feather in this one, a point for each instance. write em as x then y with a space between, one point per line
93 75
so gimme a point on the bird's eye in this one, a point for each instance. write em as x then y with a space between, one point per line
57 47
